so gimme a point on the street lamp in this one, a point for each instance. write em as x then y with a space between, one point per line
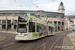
47 24
6 23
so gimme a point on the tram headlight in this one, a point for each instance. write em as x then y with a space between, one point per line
20 33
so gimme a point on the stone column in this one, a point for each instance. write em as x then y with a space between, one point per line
13 21
1 24
61 26
64 26
57 25
6 23
12 27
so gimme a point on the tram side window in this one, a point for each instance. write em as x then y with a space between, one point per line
38 26
49 28
31 27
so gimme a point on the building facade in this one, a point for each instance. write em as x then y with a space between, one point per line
69 23
8 18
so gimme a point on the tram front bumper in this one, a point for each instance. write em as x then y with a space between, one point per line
22 38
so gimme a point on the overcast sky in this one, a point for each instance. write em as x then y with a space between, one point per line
46 5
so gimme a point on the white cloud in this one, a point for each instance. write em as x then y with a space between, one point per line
47 5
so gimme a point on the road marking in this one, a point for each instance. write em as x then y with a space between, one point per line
43 44
32 47
2 37
54 44
5 41
8 44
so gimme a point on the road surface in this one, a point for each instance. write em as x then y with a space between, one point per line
53 42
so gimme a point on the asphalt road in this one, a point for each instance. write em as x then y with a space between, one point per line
46 43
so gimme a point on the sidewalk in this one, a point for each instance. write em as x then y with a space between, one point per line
72 37
69 42
13 32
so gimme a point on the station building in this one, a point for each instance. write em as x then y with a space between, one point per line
8 18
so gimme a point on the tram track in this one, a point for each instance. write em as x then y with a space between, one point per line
40 44
58 43
53 42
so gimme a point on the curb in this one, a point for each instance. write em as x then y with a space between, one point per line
8 32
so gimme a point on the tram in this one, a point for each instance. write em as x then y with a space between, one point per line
31 28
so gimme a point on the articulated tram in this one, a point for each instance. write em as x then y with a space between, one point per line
31 28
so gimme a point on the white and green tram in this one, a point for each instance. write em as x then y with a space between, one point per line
31 28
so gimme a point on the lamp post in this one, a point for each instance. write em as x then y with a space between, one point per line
6 23
47 24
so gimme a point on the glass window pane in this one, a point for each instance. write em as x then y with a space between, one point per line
22 14
32 14
42 15
16 14
9 14
2 14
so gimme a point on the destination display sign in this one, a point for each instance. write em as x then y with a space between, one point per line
22 19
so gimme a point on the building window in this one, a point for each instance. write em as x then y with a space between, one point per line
59 17
48 15
15 24
16 14
22 14
58 28
55 23
32 14
9 22
59 23
2 14
3 24
63 23
42 15
9 14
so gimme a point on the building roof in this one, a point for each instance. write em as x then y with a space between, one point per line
61 4
69 19
23 11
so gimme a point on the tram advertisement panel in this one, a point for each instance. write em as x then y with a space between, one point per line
41 30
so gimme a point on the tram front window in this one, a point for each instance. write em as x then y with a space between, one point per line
22 28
